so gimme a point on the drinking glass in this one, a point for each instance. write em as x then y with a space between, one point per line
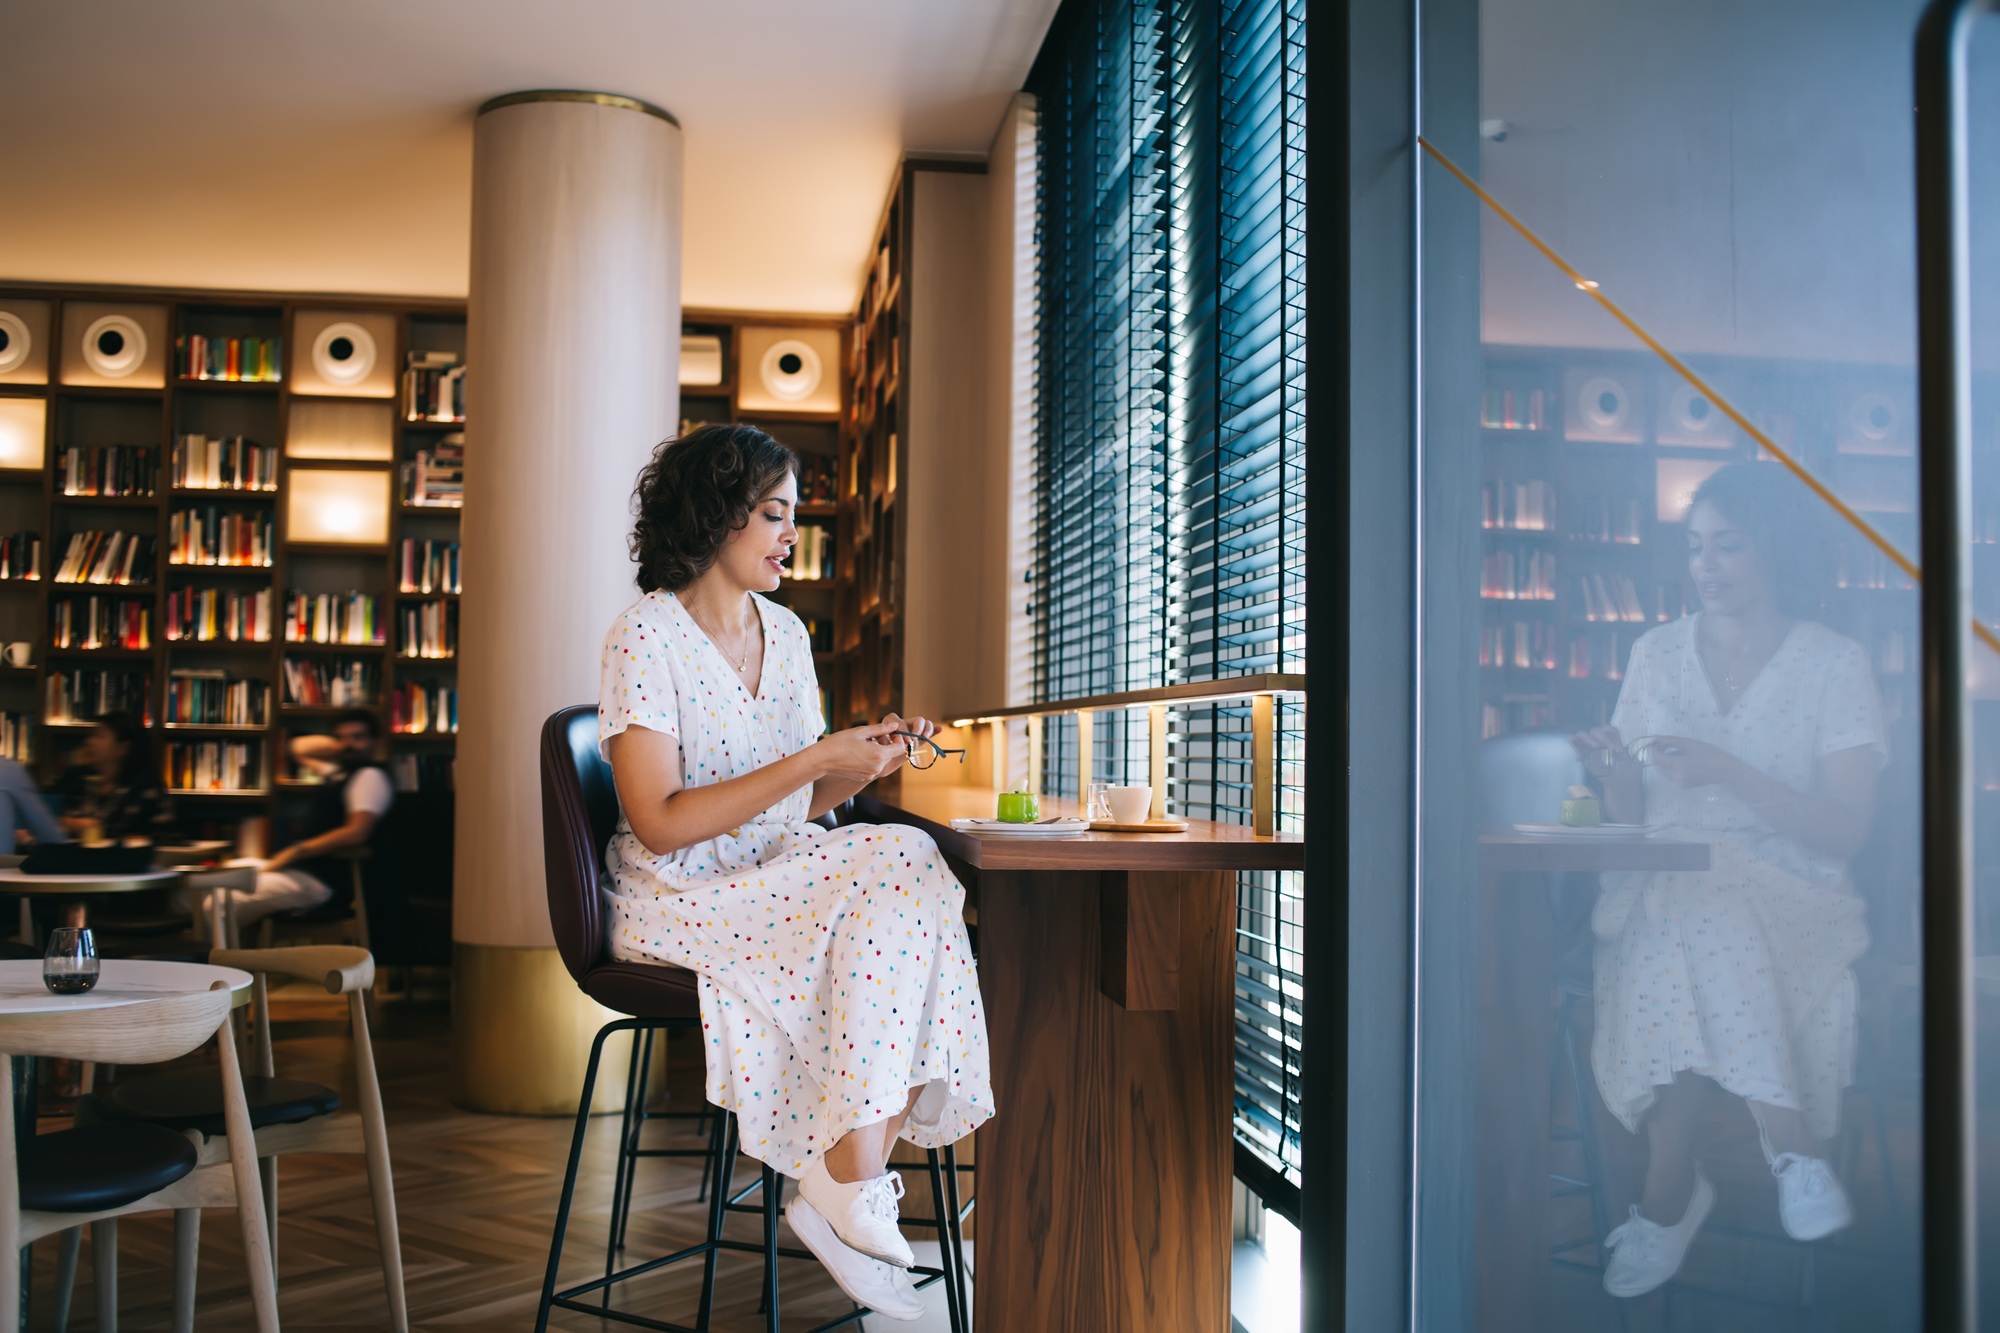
1095 806
69 965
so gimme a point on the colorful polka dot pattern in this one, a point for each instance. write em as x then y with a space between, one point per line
835 970
1742 972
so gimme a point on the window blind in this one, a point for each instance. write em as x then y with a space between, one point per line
1171 415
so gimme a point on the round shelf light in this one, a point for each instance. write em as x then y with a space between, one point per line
114 346
344 354
790 370
15 341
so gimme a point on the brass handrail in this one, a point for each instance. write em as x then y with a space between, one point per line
1261 690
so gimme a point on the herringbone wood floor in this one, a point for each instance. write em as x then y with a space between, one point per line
477 1197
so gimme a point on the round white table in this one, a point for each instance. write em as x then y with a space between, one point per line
120 981
83 886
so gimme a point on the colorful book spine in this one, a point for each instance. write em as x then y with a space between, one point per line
199 356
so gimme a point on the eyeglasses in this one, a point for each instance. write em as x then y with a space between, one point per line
924 758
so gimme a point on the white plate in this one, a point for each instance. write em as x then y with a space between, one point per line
1595 831
1062 828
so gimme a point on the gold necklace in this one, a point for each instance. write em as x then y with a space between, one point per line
742 663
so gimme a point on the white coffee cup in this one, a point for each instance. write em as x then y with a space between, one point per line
18 654
1129 805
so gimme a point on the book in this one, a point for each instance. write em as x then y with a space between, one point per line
228 463
212 536
21 556
82 694
113 470
427 629
100 622
330 683
433 387
325 617
214 766
219 615
418 709
428 567
212 697
107 557
199 356
435 478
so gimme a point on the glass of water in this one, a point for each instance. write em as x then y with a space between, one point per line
69 964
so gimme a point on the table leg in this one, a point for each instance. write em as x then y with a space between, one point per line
1104 1205
1511 1106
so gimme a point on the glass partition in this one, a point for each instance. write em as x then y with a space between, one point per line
1667 1017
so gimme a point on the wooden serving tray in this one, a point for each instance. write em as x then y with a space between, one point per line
1149 826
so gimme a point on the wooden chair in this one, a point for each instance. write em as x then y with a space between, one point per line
96 1175
287 1115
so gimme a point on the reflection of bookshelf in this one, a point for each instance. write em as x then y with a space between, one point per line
816 583
171 507
1587 462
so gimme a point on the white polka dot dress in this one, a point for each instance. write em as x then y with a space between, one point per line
835 970
1740 972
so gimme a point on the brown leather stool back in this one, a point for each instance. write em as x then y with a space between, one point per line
579 815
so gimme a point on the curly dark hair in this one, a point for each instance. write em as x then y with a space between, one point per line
1781 520
696 491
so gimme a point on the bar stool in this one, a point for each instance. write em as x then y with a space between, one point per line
579 815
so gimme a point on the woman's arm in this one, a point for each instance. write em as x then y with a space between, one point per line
836 790
665 816
1836 819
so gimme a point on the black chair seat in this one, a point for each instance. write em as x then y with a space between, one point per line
194 1101
88 1170
644 990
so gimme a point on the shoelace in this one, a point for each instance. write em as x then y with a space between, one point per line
1633 1228
1811 1175
882 1196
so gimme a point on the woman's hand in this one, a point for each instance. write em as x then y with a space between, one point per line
861 754
1686 762
1602 750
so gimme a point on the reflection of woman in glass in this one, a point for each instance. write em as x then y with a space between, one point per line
1760 735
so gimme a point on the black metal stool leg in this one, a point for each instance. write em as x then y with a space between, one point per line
569 1173
635 1127
620 1176
955 1223
947 1258
718 1205
773 1191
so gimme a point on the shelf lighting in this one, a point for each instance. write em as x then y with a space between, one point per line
349 508
23 426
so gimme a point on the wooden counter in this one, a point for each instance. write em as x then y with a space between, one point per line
1106 963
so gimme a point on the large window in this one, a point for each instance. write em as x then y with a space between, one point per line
1170 449
1666 912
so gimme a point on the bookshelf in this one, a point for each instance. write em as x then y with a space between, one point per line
240 487
1587 460
819 582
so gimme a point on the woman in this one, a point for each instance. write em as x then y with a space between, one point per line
112 790
1760 734
838 994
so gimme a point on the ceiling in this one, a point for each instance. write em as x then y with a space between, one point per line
301 145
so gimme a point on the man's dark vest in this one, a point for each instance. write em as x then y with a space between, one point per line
329 812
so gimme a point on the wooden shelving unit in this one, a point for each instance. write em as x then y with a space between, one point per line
1586 458
817 438
93 417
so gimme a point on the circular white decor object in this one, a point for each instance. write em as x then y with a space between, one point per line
19 341
1874 416
1603 403
1692 413
114 346
344 354
790 370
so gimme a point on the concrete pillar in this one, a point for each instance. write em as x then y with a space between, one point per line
574 349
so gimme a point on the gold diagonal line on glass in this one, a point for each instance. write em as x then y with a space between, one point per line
1590 289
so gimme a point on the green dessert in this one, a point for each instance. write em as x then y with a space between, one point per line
1579 808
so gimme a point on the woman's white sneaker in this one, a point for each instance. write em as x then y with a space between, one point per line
1811 1203
882 1288
863 1213
1645 1254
